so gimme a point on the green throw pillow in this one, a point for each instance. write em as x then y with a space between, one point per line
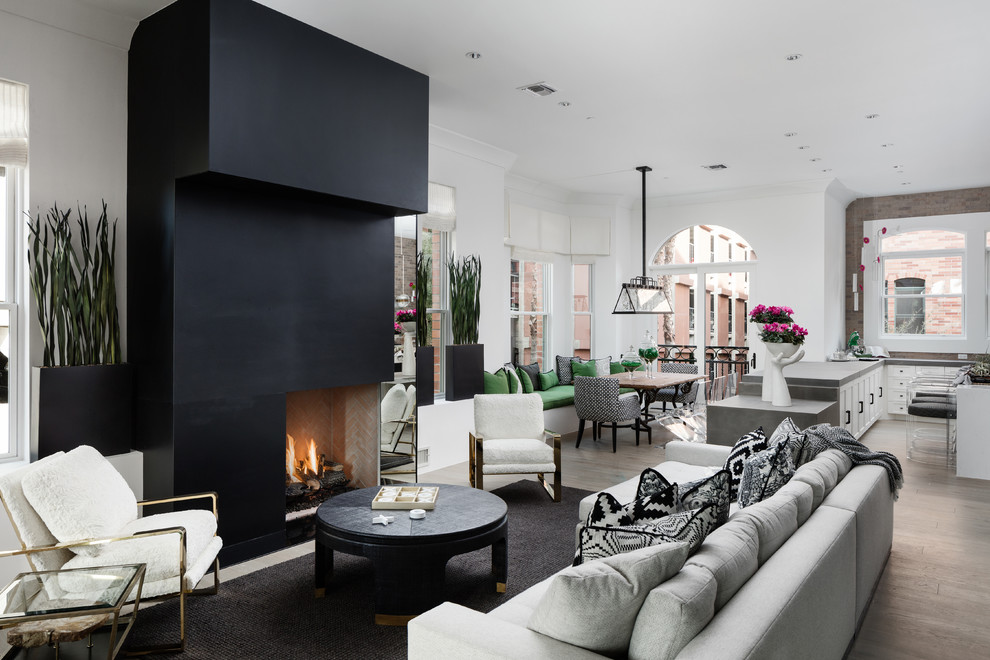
513 381
496 383
615 368
583 369
548 379
527 384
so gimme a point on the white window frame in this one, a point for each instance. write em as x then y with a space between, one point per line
548 359
443 288
975 273
14 183
590 312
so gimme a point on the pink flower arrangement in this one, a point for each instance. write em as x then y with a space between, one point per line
772 314
405 315
783 333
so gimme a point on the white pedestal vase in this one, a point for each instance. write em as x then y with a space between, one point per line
409 354
779 355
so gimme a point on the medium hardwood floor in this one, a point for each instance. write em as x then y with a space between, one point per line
933 600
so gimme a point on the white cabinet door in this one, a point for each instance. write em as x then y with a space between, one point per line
845 408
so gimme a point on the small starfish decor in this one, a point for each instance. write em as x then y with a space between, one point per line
382 520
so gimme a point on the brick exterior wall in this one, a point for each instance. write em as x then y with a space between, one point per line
947 202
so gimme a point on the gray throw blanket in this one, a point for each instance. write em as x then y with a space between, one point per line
820 437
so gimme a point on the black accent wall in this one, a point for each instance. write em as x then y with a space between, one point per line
266 160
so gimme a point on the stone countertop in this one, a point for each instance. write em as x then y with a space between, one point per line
821 374
918 362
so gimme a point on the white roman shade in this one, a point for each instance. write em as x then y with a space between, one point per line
525 254
441 214
13 124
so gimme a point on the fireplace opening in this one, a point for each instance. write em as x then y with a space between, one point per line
331 446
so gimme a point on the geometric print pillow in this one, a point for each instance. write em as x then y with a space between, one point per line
608 512
689 526
712 490
564 368
651 481
764 473
746 446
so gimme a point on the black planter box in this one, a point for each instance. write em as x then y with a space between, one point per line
424 376
86 405
464 370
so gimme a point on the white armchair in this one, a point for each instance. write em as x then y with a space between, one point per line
74 510
509 438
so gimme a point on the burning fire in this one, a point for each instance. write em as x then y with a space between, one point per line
306 466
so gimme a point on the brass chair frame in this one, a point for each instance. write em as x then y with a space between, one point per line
476 453
181 594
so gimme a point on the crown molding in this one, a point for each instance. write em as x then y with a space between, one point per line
462 144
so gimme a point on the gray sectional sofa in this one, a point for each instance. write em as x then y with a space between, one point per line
789 577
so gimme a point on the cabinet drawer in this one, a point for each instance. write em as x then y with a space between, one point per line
895 408
930 371
898 383
901 370
897 396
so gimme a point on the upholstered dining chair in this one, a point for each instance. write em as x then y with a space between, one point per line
674 395
509 438
74 510
597 400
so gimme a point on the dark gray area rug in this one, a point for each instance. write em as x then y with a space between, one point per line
272 614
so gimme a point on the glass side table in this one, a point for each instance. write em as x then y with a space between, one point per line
49 607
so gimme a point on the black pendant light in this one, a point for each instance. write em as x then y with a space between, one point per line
642 295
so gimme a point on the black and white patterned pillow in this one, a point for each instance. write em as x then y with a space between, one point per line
764 473
746 446
690 527
714 490
608 512
564 368
651 481
603 366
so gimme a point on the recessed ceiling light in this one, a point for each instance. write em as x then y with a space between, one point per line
793 57
815 159
897 167
905 183
790 134
827 169
589 118
872 116
887 144
472 55
716 166
564 104
804 146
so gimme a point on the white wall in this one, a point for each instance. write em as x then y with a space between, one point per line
786 226
837 198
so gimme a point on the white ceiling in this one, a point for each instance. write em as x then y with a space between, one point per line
678 84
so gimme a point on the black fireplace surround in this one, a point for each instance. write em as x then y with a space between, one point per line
266 160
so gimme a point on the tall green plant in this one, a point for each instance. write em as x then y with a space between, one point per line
465 298
424 298
76 298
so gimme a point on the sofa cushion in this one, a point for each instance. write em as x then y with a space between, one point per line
517 451
557 397
827 468
710 490
842 462
684 604
764 473
563 364
746 446
532 374
803 496
689 526
775 520
594 605
647 510
548 379
79 496
495 383
583 369
815 481
30 529
731 554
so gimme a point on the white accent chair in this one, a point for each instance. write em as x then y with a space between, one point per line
509 438
74 510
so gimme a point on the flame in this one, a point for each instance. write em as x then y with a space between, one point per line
309 462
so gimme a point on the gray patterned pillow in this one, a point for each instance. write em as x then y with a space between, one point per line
712 490
689 526
651 481
564 375
746 446
764 473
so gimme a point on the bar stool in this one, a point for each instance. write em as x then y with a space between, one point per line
931 431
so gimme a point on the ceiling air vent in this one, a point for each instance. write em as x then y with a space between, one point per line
716 166
538 89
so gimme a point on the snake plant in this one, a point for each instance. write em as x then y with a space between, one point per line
75 292
465 298
424 299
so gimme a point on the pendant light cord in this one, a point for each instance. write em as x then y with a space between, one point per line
644 169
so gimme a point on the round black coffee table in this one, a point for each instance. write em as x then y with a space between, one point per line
410 556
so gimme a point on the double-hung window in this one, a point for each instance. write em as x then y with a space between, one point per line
13 351
436 241
582 278
529 311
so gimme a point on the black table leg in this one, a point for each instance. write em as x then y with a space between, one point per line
324 569
500 563
404 589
